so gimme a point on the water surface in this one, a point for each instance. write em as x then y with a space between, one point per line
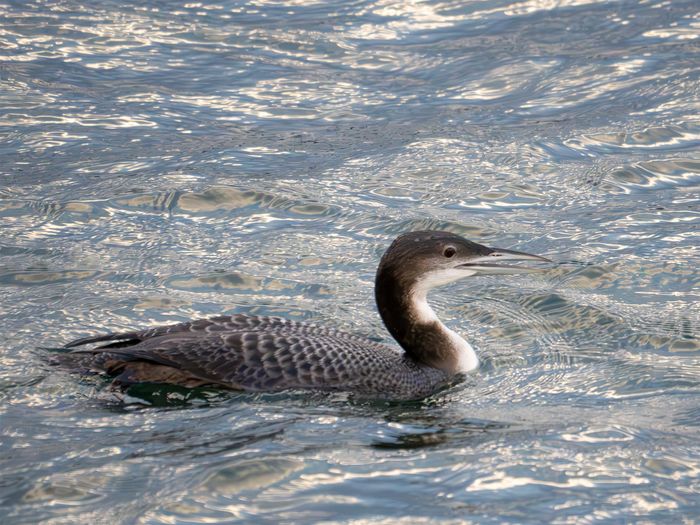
164 160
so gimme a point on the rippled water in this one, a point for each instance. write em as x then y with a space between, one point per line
165 160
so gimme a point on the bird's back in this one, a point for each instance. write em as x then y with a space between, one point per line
261 353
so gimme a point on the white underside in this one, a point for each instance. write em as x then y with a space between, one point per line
467 360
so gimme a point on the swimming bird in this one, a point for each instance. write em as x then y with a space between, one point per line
265 353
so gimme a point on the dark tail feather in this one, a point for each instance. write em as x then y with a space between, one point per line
76 362
87 362
120 340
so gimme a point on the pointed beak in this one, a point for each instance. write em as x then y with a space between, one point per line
491 264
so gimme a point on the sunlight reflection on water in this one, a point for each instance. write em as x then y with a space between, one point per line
167 161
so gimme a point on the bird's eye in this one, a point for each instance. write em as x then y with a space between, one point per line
449 252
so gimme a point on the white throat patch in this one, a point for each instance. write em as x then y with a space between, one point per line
467 360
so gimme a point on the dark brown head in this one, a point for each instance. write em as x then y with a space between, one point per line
419 261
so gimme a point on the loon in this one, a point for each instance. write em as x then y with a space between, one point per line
268 354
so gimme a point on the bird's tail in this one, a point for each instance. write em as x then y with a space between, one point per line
123 339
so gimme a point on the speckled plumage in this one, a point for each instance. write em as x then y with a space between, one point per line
259 353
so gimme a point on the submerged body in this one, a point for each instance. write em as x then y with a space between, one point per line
259 353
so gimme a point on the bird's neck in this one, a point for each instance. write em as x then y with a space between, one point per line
412 322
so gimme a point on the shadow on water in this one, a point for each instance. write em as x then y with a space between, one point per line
421 433
402 424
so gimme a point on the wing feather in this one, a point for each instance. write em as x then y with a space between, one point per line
265 353
263 361
224 323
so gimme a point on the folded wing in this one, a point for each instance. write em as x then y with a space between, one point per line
255 360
